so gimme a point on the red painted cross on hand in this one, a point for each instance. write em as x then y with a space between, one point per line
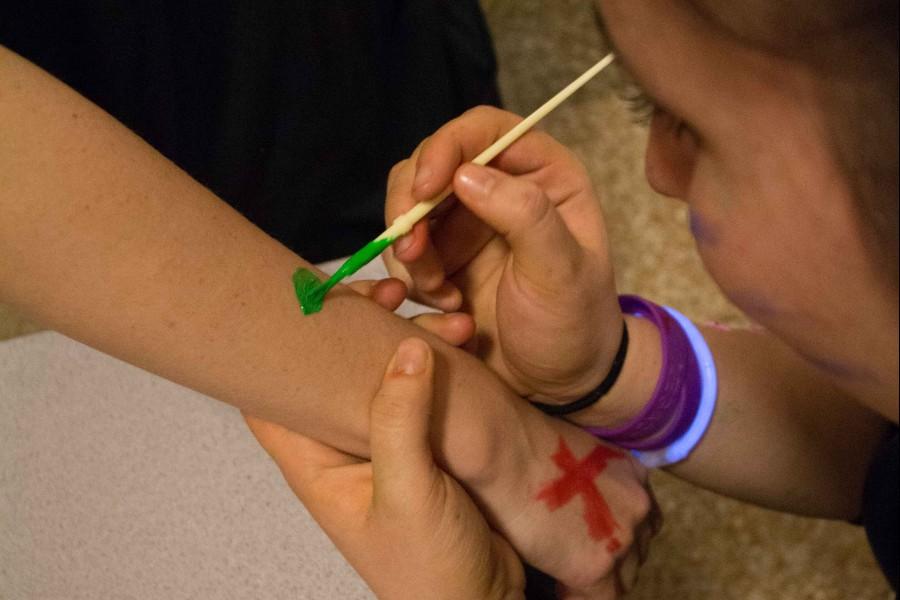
578 480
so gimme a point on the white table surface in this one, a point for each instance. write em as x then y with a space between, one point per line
115 483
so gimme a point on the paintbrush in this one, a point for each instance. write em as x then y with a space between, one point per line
311 292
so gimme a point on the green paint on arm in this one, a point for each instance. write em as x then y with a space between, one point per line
307 287
311 292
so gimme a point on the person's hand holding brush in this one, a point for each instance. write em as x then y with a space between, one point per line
521 248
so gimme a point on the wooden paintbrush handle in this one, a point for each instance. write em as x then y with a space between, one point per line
404 223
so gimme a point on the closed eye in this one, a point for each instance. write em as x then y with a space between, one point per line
644 107
641 106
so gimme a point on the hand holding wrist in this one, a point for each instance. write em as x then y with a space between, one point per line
408 528
507 452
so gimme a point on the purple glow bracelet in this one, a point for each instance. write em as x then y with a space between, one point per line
675 400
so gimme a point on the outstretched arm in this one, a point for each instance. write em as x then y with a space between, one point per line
105 240
782 436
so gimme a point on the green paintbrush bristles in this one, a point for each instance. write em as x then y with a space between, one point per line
311 292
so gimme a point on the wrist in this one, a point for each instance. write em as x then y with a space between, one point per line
636 382
484 442
519 444
590 374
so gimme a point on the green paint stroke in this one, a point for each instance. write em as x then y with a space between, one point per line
311 292
307 287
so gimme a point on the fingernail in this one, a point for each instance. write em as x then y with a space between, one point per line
410 357
403 244
423 175
477 179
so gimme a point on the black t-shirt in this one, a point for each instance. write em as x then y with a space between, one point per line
880 504
293 112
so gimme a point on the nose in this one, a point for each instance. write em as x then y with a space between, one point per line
671 155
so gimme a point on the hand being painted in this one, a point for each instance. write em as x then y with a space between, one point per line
408 528
411 531
523 250
577 509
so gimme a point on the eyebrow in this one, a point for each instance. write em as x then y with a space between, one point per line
621 62
604 30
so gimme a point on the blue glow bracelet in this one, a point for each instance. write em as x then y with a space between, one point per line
683 446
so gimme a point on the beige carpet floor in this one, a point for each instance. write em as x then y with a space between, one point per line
711 548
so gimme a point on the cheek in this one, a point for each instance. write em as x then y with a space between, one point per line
733 262
773 251
704 233
743 246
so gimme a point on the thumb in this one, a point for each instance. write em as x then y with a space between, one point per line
402 463
541 243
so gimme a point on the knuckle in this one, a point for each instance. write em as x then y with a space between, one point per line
397 270
626 538
489 116
428 323
481 111
421 147
398 174
427 273
396 170
641 473
544 139
641 505
488 112
591 572
533 206
428 281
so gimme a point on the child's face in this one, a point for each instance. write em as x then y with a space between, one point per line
771 212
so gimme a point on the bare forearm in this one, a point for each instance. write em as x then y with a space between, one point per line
105 240
781 436
115 246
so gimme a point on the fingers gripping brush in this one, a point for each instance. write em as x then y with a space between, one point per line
311 292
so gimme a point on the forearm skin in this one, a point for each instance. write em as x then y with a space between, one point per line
782 436
108 242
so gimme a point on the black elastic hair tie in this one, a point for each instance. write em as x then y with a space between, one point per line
598 392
